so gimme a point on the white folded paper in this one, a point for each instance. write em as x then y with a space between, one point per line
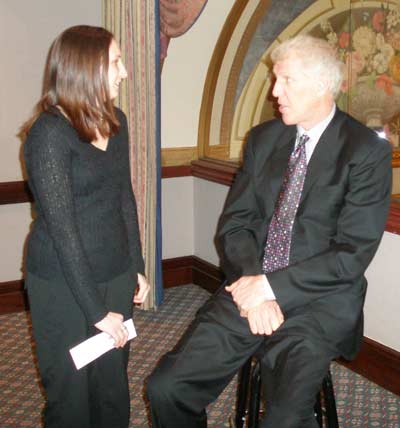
92 348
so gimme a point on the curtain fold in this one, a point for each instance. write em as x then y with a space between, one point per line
135 25
177 17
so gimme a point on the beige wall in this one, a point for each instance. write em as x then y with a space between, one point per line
177 217
14 224
26 30
382 315
184 74
209 199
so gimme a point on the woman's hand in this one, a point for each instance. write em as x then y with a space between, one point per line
112 324
142 290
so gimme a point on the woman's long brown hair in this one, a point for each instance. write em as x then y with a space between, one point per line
76 79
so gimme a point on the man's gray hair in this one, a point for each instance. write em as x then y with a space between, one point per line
319 58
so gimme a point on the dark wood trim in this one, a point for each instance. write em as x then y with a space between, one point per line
396 159
206 275
191 269
221 172
17 192
177 271
378 363
12 297
14 192
176 171
393 221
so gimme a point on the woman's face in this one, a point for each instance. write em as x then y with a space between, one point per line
116 69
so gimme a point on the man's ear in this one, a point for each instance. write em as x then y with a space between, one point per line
322 87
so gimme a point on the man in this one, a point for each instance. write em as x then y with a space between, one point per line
301 224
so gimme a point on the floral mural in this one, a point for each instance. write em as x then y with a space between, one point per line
368 42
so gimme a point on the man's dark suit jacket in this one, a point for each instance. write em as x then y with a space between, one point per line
337 229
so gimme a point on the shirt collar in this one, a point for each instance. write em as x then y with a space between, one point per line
316 131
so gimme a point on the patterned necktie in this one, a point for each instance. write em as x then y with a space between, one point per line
277 247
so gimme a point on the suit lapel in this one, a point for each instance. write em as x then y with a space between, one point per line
325 153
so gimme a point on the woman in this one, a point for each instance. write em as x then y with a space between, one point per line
84 256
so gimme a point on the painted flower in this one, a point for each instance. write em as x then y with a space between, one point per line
332 38
380 41
393 18
326 26
369 67
387 50
344 40
355 63
364 41
369 52
378 21
394 40
346 85
385 82
394 68
380 63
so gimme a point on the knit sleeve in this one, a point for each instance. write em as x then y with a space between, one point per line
131 220
128 203
48 159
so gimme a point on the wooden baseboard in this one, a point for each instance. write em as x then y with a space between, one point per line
376 362
206 275
191 270
177 271
12 297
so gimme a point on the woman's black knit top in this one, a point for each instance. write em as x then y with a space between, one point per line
86 227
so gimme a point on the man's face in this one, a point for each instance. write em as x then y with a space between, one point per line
296 93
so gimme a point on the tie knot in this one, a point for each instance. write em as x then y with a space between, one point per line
303 140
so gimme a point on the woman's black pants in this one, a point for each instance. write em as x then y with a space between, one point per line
96 396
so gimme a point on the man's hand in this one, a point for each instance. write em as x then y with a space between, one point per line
248 292
265 318
142 290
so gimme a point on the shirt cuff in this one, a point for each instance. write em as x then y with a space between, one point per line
269 294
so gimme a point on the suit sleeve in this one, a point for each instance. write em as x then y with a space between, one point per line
237 231
360 227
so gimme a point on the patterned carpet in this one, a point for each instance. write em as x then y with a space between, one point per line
360 404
